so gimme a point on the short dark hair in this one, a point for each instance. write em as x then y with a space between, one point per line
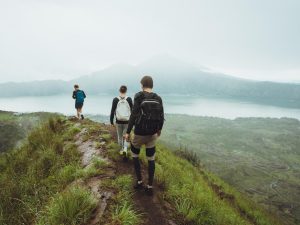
76 86
147 82
123 89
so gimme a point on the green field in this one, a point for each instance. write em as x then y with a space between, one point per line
260 157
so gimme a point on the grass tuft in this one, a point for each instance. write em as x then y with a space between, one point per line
124 213
72 207
99 162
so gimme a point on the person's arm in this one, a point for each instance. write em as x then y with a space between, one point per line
74 95
84 94
162 122
113 110
134 114
130 103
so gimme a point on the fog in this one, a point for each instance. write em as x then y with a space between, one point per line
64 39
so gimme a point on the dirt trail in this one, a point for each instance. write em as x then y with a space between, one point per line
154 210
89 149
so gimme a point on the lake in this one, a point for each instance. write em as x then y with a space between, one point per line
191 105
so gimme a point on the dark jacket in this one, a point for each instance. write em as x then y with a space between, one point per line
136 112
114 107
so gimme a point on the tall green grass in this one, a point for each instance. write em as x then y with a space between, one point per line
71 207
33 173
189 190
123 212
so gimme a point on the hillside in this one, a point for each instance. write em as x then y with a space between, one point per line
69 172
258 156
14 127
172 76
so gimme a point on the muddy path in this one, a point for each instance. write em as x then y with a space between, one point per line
153 208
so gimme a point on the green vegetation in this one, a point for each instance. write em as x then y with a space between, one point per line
43 182
14 127
33 173
73 207
258 156
191 190
123 212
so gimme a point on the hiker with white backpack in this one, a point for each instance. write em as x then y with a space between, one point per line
121 111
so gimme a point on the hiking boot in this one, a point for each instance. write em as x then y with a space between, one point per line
82 117
138 186
149 191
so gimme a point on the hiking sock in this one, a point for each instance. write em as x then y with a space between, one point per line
137 168
151 170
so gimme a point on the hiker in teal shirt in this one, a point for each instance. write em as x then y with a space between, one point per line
79 97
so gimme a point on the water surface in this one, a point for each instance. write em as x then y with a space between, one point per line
191 105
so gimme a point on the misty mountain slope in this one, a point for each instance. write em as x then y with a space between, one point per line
258 156
79 178
34 88
14 127
109 79
171 76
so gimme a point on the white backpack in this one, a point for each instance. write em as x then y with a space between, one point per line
123 109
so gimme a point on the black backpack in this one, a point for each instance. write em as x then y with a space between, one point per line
151 114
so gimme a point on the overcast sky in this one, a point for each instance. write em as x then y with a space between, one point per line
63 39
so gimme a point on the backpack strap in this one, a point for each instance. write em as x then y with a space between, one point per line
119 97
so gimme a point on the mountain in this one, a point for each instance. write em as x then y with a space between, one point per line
70 172
171 76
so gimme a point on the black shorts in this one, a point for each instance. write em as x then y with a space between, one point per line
78 105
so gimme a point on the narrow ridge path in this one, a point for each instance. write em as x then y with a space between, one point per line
154 210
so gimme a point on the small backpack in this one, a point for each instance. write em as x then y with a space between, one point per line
79 96
152 114
123 110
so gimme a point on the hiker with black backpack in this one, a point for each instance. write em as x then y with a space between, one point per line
121 109
79 97
147 118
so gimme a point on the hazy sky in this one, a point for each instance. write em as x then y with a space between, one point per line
62 39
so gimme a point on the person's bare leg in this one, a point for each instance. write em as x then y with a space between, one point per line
78 113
